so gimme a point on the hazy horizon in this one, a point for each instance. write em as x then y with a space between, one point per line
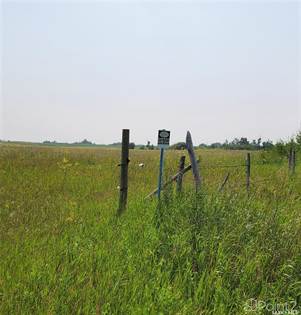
72 70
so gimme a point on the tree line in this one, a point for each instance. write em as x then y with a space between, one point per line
243 143
280 147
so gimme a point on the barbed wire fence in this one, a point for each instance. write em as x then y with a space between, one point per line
242 175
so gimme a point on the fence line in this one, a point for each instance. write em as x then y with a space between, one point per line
216 165
248 165
173 178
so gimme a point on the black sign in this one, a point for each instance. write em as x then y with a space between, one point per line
163 138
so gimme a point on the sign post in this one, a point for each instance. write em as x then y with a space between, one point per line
163 143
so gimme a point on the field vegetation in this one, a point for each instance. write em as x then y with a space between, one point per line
63 250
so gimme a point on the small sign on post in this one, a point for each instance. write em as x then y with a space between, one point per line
163 143
163 139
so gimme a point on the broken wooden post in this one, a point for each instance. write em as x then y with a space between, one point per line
124 171
180 177
193 160
224 182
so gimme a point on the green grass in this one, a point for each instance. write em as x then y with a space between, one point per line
64 251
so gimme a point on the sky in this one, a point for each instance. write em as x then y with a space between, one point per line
87 69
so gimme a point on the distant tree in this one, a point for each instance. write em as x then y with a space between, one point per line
235 142
243 141
298 138
178 146
131 145
216 145
254 143
149 146
280 148
266 145
85 141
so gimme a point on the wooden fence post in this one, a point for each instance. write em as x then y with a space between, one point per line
180 177
193 160
124 171
248 170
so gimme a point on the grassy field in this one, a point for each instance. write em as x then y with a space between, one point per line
63 250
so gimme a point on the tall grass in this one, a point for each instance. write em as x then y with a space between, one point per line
63 250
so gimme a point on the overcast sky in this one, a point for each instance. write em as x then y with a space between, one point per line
75 70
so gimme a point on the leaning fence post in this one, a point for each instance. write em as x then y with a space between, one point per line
124 171
193 160
224 182
248 170
180 177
